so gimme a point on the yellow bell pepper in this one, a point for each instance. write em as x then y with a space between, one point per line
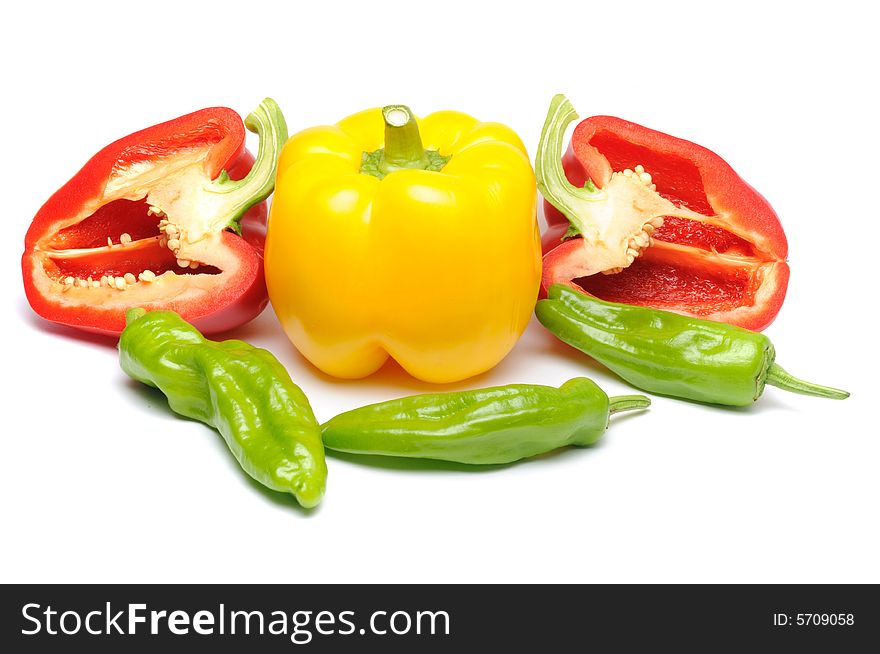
381 246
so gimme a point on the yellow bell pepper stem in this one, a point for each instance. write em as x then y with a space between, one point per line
403 146
403 143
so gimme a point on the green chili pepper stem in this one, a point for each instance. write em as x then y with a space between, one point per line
620 403
552 182
777 376
268 123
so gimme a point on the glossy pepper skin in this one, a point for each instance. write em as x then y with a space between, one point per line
641 217
413 239
485 426
170 217
670 354
242 391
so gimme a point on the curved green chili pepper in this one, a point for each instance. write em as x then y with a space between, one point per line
242 391
670 354
489 425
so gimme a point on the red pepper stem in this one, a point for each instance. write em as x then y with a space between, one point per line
268 123
778 377
620 403
552 182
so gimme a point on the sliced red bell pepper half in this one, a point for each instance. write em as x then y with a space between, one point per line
170 217
641 217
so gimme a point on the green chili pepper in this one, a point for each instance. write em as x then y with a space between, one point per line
242 391
489 425
670 354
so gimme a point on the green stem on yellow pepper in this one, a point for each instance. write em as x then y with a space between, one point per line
403 146
403 143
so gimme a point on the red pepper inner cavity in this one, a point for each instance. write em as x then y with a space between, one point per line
653 281
121 260
109 221
112 220
701 235
701 291
677 179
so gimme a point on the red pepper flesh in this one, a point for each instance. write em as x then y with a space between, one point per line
723 258
179 207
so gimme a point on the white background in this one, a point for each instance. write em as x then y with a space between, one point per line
101 482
